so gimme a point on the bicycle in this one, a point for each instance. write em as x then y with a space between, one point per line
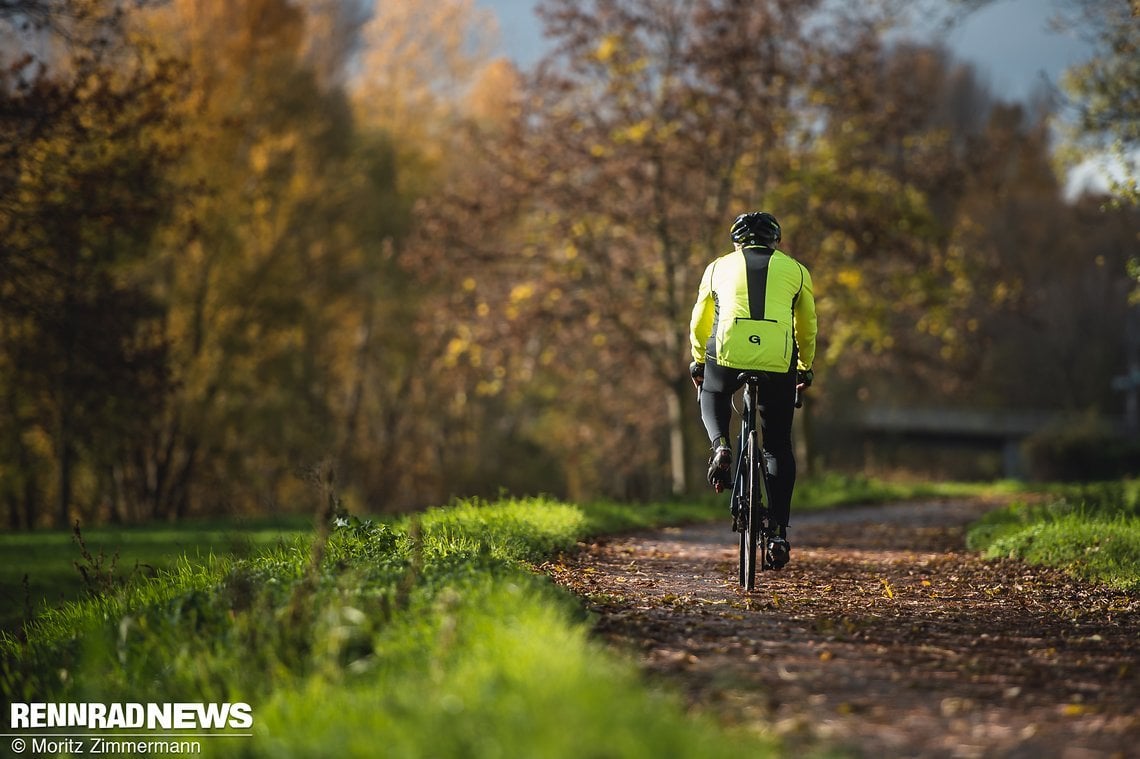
750 485
750 492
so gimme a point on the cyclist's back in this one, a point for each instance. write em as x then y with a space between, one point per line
747 312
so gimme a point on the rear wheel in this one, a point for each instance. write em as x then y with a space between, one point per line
750 482
748 547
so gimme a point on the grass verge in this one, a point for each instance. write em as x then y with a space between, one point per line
38 570
428 637
830 490
41 569
1092 531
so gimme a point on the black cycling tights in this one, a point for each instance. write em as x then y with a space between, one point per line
777 405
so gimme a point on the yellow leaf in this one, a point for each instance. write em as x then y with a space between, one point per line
852 279
609 46
636 132
521 292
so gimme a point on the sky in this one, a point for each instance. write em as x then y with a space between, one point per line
1013 48
1008 42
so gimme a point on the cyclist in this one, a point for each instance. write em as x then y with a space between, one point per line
755 311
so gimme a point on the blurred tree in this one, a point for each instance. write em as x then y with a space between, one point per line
410 436
893 193
81 358
996 310
257 262
1056 321
281 319
1104 90
332 40
418 62
1047 273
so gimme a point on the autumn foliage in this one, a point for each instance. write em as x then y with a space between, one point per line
246 239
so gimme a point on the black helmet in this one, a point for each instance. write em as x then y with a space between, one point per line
756 228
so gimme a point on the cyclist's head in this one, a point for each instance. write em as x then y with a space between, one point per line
756 228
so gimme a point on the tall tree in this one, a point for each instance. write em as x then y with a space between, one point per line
420 63
82 130
251 266
1104 88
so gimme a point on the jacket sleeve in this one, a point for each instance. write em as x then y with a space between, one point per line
701 324
805 323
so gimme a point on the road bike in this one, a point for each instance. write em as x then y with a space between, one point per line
755 467
751 491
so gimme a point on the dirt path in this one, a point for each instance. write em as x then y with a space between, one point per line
883 636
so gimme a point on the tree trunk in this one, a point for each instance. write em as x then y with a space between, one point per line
675 401
31 496
178 492
356 397
63 461
805 465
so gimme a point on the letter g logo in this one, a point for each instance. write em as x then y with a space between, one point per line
755 339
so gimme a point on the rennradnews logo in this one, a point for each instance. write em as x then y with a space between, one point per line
151 716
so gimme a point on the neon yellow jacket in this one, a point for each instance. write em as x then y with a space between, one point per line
755 310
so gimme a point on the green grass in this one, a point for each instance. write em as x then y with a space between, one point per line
38 570
430 636
490 667
831 490
1092 531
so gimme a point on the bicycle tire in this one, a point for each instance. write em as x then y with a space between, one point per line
749 537
762 513
739 502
